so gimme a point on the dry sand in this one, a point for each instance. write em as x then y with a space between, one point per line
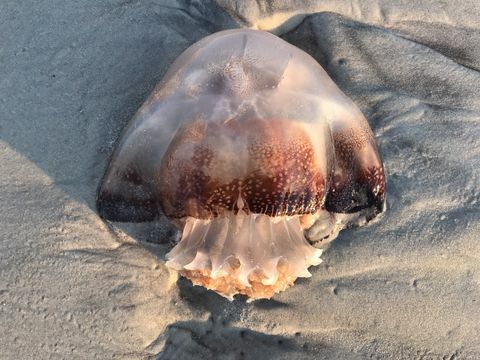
408 286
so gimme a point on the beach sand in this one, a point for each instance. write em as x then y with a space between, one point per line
407 286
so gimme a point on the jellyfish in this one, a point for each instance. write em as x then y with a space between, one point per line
252 151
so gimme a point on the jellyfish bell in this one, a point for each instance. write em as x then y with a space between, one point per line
254 153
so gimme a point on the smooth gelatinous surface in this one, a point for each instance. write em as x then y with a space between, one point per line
245 128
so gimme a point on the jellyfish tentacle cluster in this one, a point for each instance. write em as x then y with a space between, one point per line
255 154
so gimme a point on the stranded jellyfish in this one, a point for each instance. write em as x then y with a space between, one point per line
252 151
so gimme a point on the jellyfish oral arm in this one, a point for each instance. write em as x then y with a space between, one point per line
251 254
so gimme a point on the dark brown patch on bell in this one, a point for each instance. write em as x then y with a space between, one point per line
127 198
351 194
278 174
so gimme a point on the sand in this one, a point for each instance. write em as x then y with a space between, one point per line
71 286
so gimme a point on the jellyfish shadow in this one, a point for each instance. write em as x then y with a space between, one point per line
209 339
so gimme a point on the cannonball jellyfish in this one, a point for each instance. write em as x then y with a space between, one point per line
255 154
